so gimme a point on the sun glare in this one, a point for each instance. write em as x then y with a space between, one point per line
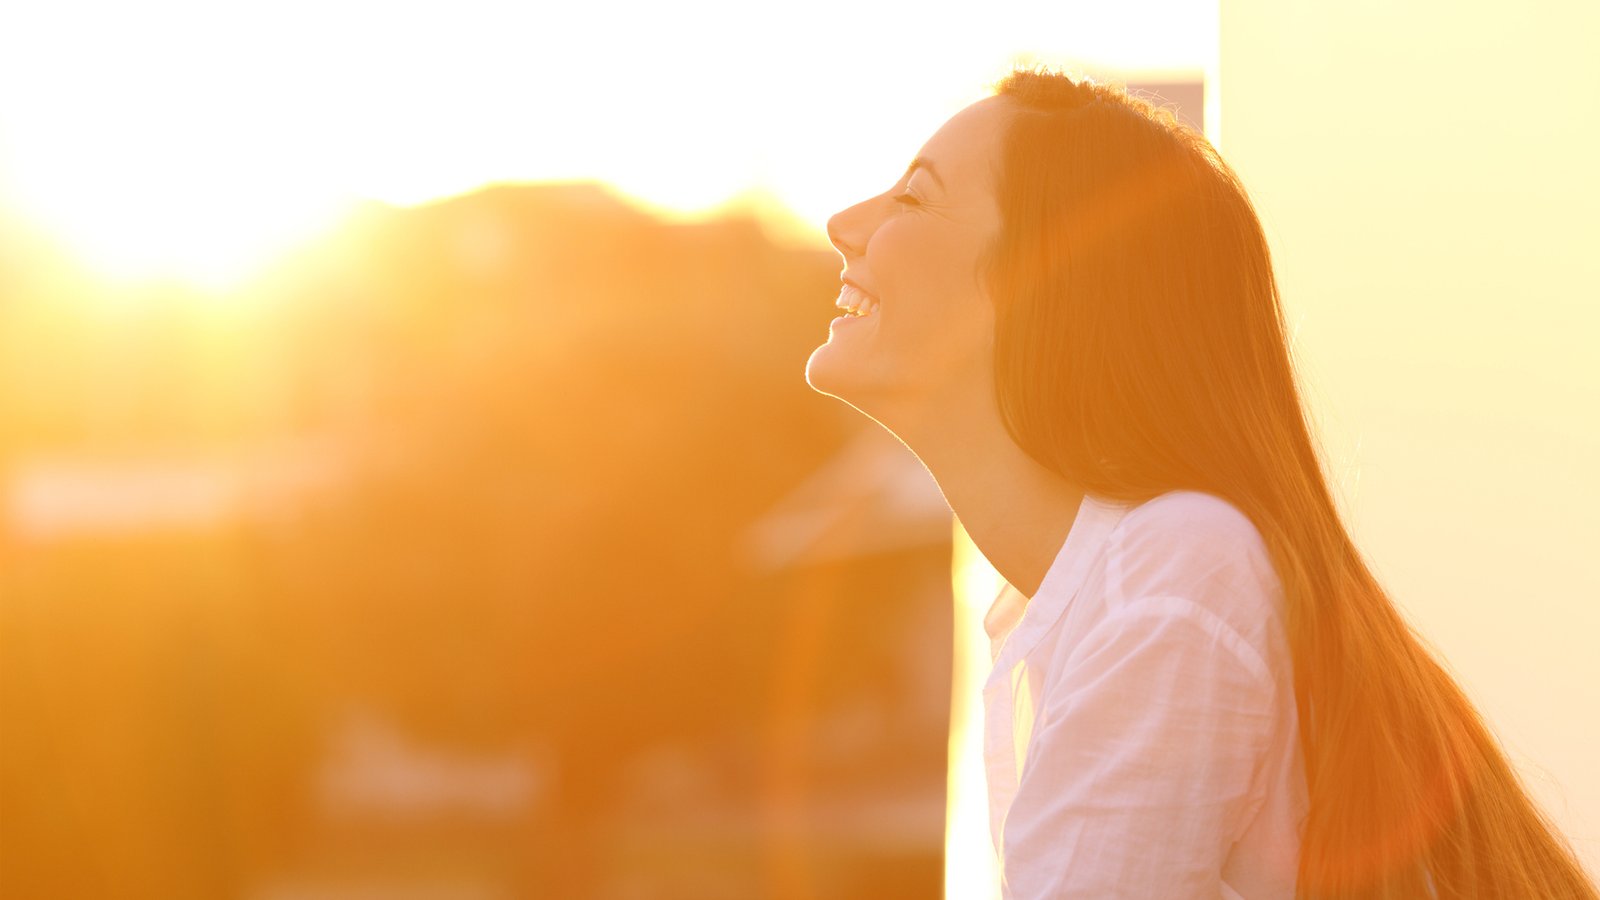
198 140
148 221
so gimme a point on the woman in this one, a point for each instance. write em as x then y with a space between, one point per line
1065 307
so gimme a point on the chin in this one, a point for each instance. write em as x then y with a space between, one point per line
822 372
831 370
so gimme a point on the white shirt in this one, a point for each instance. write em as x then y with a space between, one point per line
1140 730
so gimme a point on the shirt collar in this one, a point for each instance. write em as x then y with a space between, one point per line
1095 519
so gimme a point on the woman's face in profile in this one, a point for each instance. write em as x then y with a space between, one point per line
915 249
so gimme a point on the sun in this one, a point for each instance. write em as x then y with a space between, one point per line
205 221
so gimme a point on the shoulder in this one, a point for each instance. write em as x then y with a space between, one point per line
1186 573
1188 527
1193 545
1192 518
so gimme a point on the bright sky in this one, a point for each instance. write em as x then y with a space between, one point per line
197 137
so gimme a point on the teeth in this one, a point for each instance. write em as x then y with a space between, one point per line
855 302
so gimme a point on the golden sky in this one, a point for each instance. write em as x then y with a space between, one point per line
197 138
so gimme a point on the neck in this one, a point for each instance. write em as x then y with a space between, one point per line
1016 511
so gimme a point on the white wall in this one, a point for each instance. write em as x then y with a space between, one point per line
1427 173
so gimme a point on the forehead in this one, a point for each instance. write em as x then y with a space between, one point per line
965 145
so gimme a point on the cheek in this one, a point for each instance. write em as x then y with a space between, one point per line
911 255
936 320
942 333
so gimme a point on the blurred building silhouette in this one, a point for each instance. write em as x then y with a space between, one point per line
425 563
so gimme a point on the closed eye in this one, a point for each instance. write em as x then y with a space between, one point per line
907 198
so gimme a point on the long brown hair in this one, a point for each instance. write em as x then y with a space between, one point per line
1140 348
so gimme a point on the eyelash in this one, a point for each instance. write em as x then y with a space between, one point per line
907 197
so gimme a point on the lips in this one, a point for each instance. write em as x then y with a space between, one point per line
858 286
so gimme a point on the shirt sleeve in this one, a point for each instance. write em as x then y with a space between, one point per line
1139 771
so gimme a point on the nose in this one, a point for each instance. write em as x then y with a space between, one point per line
849 229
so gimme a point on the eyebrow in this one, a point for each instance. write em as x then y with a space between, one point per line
924 163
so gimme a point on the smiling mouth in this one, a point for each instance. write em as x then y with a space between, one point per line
855 302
